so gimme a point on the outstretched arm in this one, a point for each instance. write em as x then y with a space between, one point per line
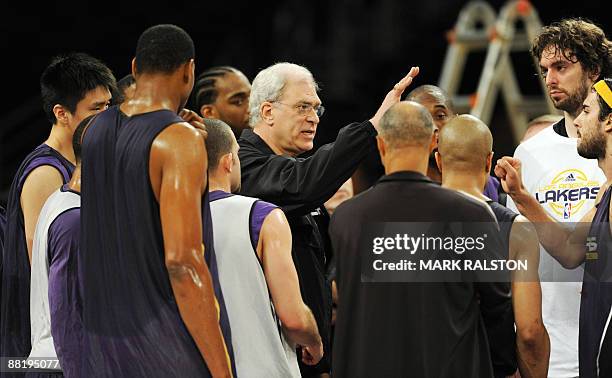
565 245
301 185
297 319
177 169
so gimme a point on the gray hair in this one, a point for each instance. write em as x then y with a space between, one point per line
406 123
269 83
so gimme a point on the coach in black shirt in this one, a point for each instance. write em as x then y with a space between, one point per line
416 329
284 114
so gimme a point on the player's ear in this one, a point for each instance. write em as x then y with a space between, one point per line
188 71
608 123
61 114
209 111
433 144
380 143
438 160
489 162
134 71
228 162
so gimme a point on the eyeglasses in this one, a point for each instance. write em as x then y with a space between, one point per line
304 108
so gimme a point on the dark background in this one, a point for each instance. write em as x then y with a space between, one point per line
356 50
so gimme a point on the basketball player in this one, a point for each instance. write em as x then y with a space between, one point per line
73 87
54 293
223 93
572 55
149 308
257 275
590 241
465 152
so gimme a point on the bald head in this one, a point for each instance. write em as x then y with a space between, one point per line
465 144
430 92
406 124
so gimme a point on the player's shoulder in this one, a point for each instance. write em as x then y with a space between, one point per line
467 206
542 139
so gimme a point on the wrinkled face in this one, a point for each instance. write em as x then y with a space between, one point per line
235 178
568 84
232 102
94 102
295 118
592 142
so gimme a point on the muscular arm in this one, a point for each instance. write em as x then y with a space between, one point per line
297 319
533 344
565 245
177 169
38 186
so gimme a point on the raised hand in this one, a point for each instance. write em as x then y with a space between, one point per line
394 95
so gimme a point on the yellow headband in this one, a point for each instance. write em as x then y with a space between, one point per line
604 91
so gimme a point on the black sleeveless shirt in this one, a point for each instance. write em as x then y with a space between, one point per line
132 324
595 337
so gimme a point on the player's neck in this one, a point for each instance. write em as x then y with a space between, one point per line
60 139
153 92
75 180
605 163
569 125
219 183
466 182
406 159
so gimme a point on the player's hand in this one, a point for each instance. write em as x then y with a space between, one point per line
394 95
194 120
311 355
508 170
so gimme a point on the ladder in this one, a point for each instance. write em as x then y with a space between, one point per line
497 73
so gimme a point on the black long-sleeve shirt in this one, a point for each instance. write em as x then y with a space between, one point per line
300 185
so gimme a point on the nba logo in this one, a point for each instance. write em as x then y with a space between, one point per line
567 210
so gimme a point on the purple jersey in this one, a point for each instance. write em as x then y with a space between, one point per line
491 189
15 268
64 294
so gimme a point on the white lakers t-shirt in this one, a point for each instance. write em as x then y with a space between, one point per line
566 185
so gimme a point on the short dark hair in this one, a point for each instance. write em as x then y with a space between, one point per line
219 141
431 90
163 49
579 40
122 85
77 138
604 108
204 90
68 78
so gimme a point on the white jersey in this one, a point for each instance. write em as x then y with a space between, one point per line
260 347
40 317
566 185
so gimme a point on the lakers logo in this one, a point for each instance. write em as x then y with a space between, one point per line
567 192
